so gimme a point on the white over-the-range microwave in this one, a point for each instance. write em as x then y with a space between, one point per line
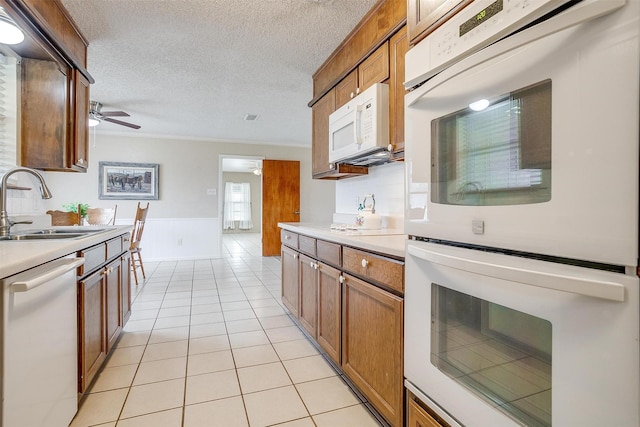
360 129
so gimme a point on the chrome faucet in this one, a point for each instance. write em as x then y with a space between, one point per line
5 222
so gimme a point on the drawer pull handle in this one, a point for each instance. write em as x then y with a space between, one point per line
295 256
364 263
341 279
287 237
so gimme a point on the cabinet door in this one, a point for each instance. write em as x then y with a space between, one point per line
418 417
372 325
81 122
91 332
44 114
424 16
374 69
320 136
398 46
125 282
308 294
329 312
112 275
290 284
347 88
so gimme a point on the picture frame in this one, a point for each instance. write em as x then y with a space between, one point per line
128 181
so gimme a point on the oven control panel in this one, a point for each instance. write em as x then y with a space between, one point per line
476 26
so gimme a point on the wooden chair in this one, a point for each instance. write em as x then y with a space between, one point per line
65 218
136 237
102 216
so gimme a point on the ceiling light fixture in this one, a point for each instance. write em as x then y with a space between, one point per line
479 105
9 31
93 121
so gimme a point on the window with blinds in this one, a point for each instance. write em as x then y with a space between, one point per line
8 112
500 155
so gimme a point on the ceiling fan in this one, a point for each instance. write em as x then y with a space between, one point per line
96 113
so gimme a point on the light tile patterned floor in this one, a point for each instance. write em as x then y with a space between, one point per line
209 344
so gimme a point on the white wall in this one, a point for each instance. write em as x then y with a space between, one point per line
386 182
187 169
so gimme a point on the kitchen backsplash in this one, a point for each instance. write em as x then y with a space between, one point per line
385 182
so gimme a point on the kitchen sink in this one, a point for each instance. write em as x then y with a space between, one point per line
54 233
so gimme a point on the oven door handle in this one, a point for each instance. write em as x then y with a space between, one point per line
577 285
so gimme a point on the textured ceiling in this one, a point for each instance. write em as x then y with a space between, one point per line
195 68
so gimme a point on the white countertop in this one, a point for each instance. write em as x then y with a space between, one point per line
385 241
20 255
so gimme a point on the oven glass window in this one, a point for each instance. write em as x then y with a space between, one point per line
495 152
500 354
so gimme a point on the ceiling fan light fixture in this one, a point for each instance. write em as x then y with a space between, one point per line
9 31
93 121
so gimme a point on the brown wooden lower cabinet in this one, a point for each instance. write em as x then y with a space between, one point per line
125 282
92 332
418 416
290 285
357 323
372 340
308 289
104 305
113 289
329 314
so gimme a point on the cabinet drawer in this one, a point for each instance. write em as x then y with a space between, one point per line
114 247
93 257
418 417
288 238
385 271
307 245
329 252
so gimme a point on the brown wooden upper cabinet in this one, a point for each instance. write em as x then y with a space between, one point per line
398 46
424 16
53 84
374 69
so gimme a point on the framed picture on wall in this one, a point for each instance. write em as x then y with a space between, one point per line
128 181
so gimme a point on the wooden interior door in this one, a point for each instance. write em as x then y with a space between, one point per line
280 200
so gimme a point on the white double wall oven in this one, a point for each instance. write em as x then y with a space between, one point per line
521 203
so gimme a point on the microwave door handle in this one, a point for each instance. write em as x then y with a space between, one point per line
561 282
356 124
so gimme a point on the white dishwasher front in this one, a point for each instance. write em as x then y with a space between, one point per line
39 345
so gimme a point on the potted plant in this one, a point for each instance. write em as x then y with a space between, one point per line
73 207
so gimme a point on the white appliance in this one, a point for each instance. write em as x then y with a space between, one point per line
497 340
550 165
521 290
39 346
361 126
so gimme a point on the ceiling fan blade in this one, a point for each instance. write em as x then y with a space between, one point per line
114 114
118 122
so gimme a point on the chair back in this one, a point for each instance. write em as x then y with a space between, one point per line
102 216
65 218
138 226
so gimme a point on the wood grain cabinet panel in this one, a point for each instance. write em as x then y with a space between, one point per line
385 271
92 331
113 289
398 47
320 113
329 312
125 284
308 270
81 122
289 239
374 69
307 245
330 253
290 277
346 89
372 345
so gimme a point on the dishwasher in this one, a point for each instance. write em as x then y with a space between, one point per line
39 345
